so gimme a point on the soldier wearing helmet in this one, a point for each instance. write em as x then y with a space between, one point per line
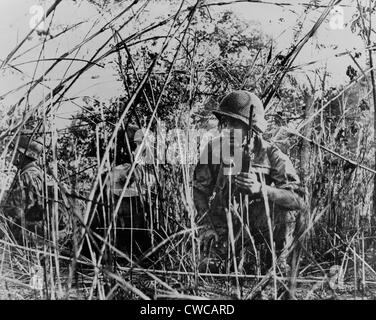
25 204
264 172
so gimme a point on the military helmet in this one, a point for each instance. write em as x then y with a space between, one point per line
237 105
131 131
139 135
30 145
142 134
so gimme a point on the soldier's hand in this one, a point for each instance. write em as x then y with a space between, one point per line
248 182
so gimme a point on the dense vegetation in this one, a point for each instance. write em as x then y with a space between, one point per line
175 70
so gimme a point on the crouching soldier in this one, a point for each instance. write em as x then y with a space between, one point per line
27 204
264 173
132 230
135 224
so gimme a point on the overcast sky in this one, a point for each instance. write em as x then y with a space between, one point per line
276 21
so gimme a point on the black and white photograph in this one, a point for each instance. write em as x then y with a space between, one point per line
195 151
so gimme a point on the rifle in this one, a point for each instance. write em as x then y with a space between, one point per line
248 161
247 158
246 167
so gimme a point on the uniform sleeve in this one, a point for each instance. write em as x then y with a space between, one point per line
13 206
287 191
26 198
31 185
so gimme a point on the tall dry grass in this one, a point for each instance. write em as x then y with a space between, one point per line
339 230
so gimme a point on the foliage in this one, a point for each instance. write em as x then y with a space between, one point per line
188 63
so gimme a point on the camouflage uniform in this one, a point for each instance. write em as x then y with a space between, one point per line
25 204
211 195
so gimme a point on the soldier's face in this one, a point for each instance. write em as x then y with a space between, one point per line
20 159
17 159
233 124
237 129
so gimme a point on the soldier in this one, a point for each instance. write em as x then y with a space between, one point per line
24 205
264 170
136 210
134 221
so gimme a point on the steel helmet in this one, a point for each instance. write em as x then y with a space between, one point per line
142 134
237 105
139 135
30 145
118 177
131 131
